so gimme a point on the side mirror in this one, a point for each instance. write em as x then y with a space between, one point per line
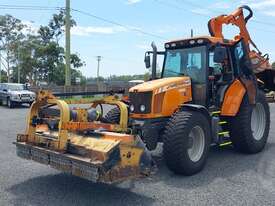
220 54
147 61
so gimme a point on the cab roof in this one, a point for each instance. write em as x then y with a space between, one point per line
195 41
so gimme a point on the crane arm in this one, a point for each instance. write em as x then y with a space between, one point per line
215 25
237 18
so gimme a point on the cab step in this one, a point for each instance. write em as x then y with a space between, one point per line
223 133
220 136
225 144
223 122
216 112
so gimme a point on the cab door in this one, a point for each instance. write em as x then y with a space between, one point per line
243 66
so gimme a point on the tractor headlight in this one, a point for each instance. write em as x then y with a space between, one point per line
142 108
132 108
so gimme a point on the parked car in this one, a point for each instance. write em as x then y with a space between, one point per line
12 94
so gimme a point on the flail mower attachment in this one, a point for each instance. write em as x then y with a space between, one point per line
80 142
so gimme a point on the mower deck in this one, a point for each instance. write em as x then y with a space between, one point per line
93 159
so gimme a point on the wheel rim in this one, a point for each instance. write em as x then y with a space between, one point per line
258 121
196 143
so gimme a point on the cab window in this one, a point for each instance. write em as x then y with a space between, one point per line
186 62
216 67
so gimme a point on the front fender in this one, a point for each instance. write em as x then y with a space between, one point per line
199 108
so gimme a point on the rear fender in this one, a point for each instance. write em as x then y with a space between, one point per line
233 98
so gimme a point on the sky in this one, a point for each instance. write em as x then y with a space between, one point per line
132 25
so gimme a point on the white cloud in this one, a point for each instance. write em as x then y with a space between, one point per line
30 28
133 1
266 7
269 13
259 4
221 5
143 46
200 11
89 30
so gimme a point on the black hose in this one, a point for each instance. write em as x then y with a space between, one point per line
250 15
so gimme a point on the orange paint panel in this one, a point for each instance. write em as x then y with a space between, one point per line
82 126
158 102
233 99
169 103
174 98
121 137
42 128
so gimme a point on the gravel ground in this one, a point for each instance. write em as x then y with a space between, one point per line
229 178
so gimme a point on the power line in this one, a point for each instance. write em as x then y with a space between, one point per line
263 22
47 8
30 6
199 6
32 9
205 15
119 24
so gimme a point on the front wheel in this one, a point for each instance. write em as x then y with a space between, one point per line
250 128
186 142
10 103
113 116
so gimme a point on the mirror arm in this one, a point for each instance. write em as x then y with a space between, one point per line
154 63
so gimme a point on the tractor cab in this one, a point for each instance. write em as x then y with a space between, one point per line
211 63
205 60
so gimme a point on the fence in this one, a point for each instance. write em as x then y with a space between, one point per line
102 87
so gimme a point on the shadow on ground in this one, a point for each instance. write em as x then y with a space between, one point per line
223 163
68 190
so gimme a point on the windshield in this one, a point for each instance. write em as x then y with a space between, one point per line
16 87
188 61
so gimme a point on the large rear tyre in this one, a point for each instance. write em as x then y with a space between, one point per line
186 142
250 128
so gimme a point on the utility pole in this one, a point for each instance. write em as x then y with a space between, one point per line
68 44
98 65
192 33
18 67
0 67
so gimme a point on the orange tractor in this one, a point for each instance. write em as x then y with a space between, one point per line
211 91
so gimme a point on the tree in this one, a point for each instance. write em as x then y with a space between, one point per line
273 65
10 33
51 54
4 77
38 57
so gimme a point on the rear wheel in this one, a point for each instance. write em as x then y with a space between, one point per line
250 128
186 142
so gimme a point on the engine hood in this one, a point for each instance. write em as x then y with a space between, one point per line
164 83
21 92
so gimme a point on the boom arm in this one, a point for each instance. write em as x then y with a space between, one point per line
237 18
